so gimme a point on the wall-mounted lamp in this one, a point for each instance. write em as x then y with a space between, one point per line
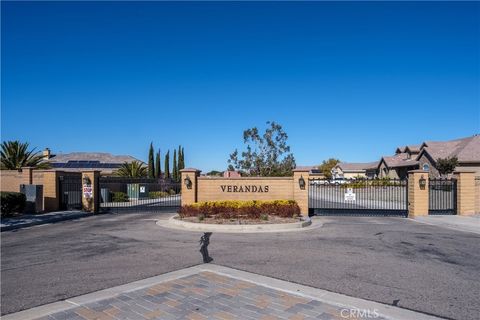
188 182
86 180
301 183
422 182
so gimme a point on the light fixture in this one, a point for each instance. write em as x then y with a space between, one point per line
301 183
422 182
188 182
86 180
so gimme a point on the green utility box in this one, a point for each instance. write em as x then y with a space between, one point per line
137 191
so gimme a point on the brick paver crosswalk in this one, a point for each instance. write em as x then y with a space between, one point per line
205 295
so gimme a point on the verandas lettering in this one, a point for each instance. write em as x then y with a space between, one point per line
247 188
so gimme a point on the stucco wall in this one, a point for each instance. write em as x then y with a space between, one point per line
350 175
339 173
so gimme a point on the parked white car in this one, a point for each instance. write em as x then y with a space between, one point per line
338 181
319 182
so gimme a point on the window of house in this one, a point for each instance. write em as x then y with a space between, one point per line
426 167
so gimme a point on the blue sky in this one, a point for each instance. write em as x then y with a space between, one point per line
346 80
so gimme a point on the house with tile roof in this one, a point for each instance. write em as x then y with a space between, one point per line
397 166
349 170
467 151
106 163
426 155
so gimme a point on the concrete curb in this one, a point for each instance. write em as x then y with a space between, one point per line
45 221
177 224
336 299
449 225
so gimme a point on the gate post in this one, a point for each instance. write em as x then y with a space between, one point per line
300 189
51 190
417 193
189 185
465 192
91 191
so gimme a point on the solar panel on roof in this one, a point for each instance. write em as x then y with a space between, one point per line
82 164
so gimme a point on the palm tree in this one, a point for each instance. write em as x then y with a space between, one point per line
134 169
15 155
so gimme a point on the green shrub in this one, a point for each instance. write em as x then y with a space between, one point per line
379 182
157 194
120 197
12 202
241 209
172 192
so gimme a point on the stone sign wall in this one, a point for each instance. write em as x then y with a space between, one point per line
244 188
213 189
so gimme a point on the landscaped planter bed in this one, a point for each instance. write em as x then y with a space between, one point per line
241 212
239 216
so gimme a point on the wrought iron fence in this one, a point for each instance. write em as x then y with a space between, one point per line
70 192
358 197
442 194
138 194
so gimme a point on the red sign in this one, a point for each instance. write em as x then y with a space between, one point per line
87 191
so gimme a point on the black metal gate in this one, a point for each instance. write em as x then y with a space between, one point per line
442 195
70 192
359 197
119 194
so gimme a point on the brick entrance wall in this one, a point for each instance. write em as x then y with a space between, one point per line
12 179
245 188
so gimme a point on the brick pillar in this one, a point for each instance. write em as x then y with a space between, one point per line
465 192
51 190
189 193
91 202
300 195
417 195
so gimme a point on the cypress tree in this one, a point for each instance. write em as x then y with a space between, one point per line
183 158
167 165
175 165
151 169
180 166
158 170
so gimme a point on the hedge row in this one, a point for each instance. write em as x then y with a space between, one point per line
161 194
241 209
379 182
120 197
12 202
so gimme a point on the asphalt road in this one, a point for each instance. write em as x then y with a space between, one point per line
390 260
